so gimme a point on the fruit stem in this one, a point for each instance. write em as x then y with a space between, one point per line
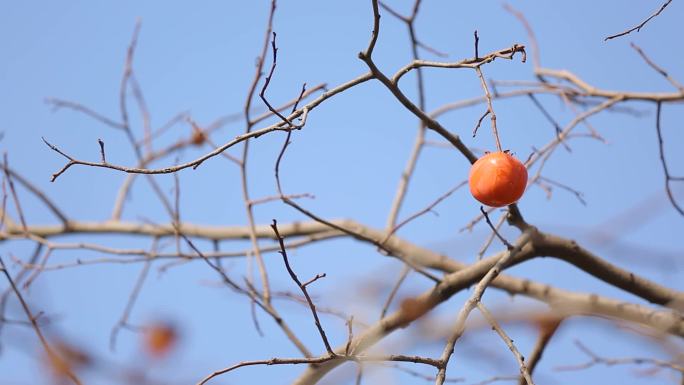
490 108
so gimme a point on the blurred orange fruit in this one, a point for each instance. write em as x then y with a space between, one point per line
160 339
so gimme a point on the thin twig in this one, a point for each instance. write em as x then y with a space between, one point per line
596 359
493 379
578 194
350 335
39 194
249 124
267 81
60 103
17 279
530 33
420 375
279 159
419 142
395 288
641 25
302 287
479 122
490 108
491 237
144 111
668 177
494 229
508 341
135 292
548 117
13 191
425 210
657 68
3 216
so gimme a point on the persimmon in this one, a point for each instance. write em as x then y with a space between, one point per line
198 137
497 179
159 339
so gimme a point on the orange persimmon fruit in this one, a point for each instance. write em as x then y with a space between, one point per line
198 137
497 179
160 339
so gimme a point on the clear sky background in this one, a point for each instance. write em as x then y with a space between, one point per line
199 57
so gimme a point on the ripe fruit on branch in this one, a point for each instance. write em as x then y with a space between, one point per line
160 339
497 179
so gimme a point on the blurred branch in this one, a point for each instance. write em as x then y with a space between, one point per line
52 355
547 328
13 192
545 245
588 90
135 292
657 68
61 103
668 178
598 360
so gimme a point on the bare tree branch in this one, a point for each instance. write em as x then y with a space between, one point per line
642 24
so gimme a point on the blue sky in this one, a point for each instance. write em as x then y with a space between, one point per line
199 57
